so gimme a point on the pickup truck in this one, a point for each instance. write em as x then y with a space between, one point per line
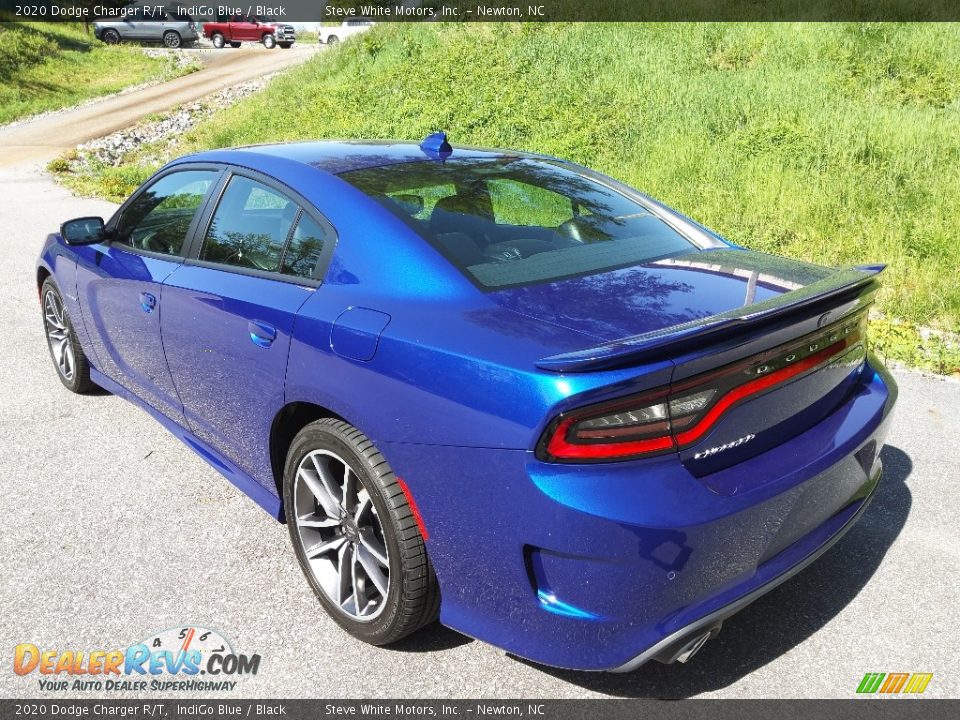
239 28
336 33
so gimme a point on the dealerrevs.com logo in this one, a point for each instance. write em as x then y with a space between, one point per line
189 659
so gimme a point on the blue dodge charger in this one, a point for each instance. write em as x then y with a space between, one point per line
485 386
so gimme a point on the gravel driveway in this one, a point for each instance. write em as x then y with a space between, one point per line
47 136
113 530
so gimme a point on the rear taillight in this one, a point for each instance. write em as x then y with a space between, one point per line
670 418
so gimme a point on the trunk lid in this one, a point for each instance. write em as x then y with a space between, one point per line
763 348
665 293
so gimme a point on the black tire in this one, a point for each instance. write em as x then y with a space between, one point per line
285 45
172 39
234 44
218 40
110 36
332 40
413 597
78 380
269 41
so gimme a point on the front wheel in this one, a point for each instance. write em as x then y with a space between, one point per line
218 40
172 39
332 40
269 41
68 358
234 44
110 36
355 535
285 45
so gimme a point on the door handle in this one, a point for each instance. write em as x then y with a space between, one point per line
147 302
261 334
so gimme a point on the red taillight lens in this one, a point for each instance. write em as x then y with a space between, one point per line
639 426
667 419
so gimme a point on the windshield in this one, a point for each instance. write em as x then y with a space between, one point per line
507 222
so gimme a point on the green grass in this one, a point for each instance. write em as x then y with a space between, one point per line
47 66
835 143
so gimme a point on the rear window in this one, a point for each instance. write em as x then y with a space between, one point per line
508 222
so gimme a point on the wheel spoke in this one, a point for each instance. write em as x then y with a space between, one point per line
363 502
344 574
370 543
355 577
323 472
54 321
372 570
324 546
319 490
312 520
349 488
57 348
67 358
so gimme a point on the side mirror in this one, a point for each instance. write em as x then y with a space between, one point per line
83 231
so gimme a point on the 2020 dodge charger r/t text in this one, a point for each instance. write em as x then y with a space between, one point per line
489 386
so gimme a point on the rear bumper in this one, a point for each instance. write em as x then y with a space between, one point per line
667 648
603 567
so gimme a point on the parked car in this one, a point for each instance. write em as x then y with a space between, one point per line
170 29
335 33
239 28
485 384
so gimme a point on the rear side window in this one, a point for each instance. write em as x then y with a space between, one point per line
509 222
305 248
159 218
259 228
250 226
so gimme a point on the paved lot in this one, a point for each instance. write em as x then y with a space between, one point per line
113 530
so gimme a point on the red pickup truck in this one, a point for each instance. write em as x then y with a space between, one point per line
238 28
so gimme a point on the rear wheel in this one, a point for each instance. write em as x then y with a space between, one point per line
110 36
234 44
332 40
172 39
218 40
66 353
269 41
355 536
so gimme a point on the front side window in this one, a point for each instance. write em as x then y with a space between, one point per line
507 222
159 218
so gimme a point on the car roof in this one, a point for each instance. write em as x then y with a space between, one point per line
339 156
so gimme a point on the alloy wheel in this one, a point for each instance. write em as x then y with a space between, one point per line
341 535
58 334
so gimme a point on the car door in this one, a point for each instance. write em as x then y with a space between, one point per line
229 312
119 283
241 28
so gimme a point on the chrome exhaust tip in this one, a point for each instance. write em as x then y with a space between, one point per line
692 647
685 648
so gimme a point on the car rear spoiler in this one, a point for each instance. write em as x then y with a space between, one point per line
859 284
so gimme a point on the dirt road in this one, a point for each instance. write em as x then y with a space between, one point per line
48 136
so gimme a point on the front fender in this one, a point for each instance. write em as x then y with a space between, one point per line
60 262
